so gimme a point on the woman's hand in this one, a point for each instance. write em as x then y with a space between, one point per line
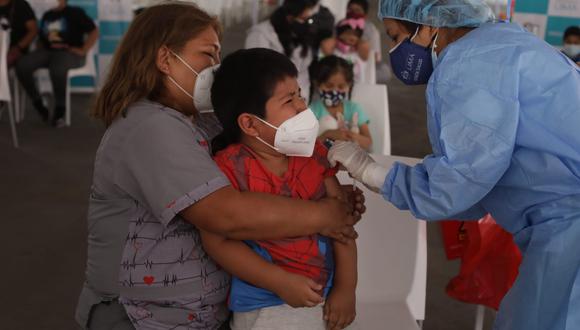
298 291
340 217
356 198
340 308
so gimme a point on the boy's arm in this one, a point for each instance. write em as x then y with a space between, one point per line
344 253
239 260
340 309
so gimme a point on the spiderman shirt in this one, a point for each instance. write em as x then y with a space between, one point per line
310 256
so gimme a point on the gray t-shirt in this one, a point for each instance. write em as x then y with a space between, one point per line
150 166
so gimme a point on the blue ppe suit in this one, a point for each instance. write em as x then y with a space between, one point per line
504 124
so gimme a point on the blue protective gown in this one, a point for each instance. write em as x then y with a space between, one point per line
504 124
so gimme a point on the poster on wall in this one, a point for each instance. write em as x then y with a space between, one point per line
535 23
115 10
564 8
548 19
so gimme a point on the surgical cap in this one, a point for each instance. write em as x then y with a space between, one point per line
438 13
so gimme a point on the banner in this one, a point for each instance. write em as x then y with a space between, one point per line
548 19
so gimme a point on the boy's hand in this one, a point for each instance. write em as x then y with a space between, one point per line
340 308
299 291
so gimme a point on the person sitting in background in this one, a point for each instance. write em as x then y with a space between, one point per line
62 47
350 45
258 118
288 31
322 25
19 17
340 119
360 9
572 43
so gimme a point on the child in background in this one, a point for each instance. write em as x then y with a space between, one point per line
269 145
572 43
340 119
350 45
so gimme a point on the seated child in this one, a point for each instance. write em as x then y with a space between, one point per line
350 45
269 145
339 118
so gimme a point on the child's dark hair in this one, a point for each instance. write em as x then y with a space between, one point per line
322 70
363 3
571 31
243 83
343 26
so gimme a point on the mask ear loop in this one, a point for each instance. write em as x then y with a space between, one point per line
400 43
434 55
184 63
260 139
179 86
175 82
416 32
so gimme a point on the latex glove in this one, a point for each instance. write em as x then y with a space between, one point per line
358 163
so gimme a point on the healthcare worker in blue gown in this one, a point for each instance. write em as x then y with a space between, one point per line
504 124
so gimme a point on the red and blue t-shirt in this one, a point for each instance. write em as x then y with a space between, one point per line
310 256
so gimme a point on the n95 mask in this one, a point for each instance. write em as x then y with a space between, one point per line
201 95
295 136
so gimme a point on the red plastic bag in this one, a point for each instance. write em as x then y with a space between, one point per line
454 238
489 264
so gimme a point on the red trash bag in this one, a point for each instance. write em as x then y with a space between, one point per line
454 238
489 264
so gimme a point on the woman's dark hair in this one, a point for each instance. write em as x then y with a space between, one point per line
409 26
341 28
363 3
244 82
134 74
292 34
322 70
572 31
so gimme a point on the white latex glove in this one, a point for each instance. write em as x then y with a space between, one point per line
358 163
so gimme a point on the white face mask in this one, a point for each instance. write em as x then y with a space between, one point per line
571 50
202 90
434 56
295 136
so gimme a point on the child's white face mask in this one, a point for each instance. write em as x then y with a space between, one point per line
201 95
295 136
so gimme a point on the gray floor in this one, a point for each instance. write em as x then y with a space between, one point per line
43 197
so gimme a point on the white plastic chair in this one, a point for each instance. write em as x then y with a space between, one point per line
18 96
5 95
89 69
392 262
375 103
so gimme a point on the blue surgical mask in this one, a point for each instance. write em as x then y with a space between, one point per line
412 63
332 98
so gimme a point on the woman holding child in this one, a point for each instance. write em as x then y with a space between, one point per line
156 187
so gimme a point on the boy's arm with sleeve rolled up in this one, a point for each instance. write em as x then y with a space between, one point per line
340 306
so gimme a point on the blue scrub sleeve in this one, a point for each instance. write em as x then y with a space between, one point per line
475 131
